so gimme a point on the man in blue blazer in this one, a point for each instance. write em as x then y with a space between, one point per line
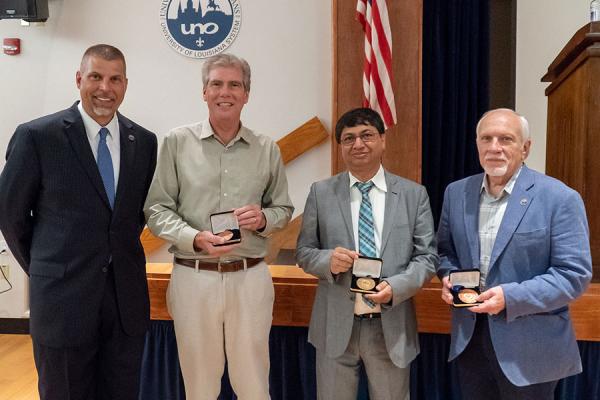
527 234
71 198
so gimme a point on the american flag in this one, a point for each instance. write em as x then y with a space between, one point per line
377 76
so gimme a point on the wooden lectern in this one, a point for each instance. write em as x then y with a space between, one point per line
573 134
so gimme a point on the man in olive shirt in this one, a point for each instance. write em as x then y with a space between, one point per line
220 296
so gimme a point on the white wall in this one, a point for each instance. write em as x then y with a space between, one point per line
286 42
14 303
543 29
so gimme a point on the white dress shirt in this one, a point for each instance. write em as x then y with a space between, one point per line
377 198
92 129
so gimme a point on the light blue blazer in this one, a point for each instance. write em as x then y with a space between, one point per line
541 259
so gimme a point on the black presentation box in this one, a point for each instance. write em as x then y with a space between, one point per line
465 287
225 224
366 274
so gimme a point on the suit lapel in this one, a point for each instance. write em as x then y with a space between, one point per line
391 205
342 192
128 140
471 217
518 203
75 131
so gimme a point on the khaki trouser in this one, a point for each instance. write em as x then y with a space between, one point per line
217 314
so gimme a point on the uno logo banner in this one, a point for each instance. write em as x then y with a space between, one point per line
200 28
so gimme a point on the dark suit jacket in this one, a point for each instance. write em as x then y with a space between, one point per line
56 219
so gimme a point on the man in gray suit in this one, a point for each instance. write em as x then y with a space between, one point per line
370 212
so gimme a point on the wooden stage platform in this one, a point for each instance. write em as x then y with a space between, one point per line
295 292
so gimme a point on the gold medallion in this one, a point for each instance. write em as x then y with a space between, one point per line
225 234
365 283
468 296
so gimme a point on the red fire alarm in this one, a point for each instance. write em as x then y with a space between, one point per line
11 46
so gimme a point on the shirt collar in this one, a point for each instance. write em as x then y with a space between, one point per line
93 128
508 188
207 131
378 180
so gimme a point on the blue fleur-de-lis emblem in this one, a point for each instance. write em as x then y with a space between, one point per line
200 28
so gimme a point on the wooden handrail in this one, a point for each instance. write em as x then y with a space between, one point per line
295 291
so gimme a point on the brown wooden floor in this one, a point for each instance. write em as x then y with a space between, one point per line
18 379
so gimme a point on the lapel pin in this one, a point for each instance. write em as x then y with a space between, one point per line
131 138
523 202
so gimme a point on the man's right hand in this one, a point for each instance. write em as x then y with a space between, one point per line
206 241
342 260
446 294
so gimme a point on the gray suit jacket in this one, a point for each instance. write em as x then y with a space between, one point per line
409 260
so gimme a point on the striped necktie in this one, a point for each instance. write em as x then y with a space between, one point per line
105 166
366 226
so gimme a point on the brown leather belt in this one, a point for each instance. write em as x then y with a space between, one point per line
225 266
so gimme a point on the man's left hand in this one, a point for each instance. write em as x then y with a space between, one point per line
383 295
493 301
250 217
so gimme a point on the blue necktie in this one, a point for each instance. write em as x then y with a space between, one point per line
366 226
105 166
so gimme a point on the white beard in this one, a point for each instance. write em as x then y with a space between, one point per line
102 111
496 171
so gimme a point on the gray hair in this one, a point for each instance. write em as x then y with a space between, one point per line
105 52
226 60
524 123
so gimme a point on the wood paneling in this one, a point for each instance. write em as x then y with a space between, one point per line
295 291
294 295
284 239
403 141
159 275
572 146
150 243
302 139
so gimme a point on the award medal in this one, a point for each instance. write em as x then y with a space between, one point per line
225 234
365 283
468 296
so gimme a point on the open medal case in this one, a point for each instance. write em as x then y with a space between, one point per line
225 224
465 287
366 274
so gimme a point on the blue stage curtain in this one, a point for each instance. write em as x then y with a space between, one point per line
292 364
431 377
586 385
455 91
161 376
293 369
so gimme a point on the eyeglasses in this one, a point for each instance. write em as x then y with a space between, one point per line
366 137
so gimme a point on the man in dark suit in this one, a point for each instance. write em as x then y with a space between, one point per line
71 198
527 235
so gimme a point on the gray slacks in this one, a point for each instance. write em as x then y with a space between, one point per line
337 379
